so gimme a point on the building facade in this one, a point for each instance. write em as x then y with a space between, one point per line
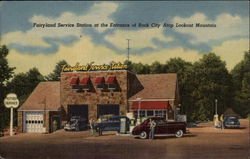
92 94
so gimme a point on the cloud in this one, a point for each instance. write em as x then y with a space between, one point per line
165 54
84 51
227 26
98 13
140 39
232 51
36 36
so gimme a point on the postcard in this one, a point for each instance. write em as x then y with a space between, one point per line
124 79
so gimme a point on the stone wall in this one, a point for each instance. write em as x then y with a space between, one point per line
95 96
20 121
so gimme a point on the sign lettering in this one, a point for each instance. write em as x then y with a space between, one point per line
92 67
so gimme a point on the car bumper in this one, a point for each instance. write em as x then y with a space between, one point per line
69 128
232 126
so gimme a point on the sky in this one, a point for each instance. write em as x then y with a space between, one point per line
42 47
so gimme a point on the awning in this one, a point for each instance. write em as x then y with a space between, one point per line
74 81
111 80
150 105
85 81
99 80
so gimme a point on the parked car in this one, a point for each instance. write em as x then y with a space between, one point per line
76 123
162 128
191 124
231 121
111 123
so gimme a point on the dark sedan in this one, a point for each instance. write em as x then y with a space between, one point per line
112 123
162 128
231 122
76 123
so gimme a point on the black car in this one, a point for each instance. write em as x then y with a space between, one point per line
231 121
112 123
76 123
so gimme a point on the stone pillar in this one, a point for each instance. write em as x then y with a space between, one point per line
20 121
46 123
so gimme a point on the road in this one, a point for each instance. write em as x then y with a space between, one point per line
204 142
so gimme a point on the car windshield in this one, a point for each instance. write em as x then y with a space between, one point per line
233 119
72 122
160 121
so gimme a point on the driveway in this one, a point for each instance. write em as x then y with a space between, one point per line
203 142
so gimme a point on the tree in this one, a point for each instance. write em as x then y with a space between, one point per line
6 72
139 68
156 67
23 84
55 75
241 86
183 70
211 81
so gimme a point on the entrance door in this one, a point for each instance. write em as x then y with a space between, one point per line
107 109
78 110
34 122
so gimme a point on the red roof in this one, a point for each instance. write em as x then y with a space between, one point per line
74 81
99 80
85 81
150 105
111 80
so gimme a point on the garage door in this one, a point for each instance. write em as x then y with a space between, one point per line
34 122
78 110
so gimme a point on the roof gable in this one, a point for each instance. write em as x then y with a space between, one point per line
46 96
162 86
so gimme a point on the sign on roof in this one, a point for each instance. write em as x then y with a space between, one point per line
92 67
11 101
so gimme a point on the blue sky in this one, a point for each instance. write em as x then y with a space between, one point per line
43 47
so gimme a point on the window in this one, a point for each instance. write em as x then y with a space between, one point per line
142 113
135 114
147 113
160 113
85 87
150 113
160 122
112 86
100 86
164 113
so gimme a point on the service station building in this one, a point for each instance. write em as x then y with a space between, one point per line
92 94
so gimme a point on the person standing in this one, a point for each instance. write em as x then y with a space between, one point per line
91 124
152 125
55 125
222 121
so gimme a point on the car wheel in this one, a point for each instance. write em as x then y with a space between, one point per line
77 129
179 133
143 135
